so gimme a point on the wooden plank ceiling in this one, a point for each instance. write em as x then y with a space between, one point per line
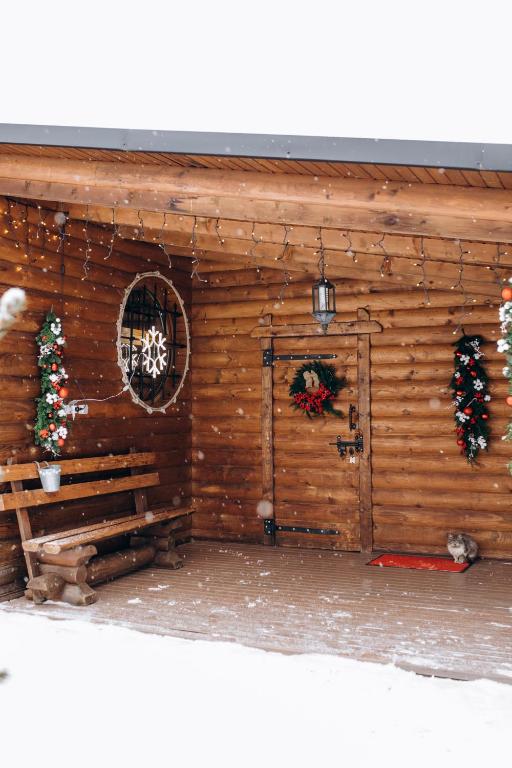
415 174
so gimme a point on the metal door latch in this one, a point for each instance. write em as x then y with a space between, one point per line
351 446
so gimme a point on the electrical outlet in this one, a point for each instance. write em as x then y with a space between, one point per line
77 409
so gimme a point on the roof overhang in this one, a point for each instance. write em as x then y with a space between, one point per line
463 155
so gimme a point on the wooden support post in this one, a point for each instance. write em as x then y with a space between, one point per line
365 461
267 430
25 528
139 494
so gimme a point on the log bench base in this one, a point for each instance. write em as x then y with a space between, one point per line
66 576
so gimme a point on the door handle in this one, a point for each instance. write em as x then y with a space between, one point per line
352 412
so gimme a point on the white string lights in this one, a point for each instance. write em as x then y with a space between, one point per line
350 252
195 258
459 285
112 237
286 274
162 245
385 267
423 281
85 229
40 235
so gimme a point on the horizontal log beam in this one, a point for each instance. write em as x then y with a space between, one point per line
403 207
313 329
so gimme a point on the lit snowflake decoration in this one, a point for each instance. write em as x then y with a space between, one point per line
154 355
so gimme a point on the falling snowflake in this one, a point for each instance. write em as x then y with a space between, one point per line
154 356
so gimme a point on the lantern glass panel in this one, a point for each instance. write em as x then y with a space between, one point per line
324 302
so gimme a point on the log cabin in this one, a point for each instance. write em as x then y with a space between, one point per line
415 237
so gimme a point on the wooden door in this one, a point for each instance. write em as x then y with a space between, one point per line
314 488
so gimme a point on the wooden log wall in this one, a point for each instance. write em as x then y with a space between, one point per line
86 293
421 486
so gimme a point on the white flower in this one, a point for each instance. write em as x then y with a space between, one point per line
61 413
482 442
54 377
464 359
487 398
60 340
51 398
62 432
55 435
478 385
506 371
461 416
503 345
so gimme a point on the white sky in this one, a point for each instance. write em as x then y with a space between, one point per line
366 68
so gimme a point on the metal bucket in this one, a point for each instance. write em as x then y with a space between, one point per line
50 476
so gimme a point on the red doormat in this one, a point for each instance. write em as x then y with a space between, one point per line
420 563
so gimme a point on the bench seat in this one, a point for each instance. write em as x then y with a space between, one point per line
55 543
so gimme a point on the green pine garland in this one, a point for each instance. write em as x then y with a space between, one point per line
51 426
470 397
505 347
316 401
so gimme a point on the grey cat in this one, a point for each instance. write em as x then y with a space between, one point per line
462 547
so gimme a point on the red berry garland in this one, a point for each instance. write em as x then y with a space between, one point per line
469 384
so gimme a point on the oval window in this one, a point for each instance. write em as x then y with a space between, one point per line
153 345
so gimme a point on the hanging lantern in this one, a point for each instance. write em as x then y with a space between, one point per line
324 295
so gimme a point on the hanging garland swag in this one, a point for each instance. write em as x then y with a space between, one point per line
51 427
314 387
505 347
469 385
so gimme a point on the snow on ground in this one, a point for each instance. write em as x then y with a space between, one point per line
80 694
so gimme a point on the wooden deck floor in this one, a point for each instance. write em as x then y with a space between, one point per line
298 601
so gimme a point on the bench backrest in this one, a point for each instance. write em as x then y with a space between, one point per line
21 500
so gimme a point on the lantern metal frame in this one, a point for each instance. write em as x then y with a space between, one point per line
324 311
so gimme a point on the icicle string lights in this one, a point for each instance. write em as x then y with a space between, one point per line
281 258
88 248
195 258
385 267
423 281
459 285
112 237
162 245
45 233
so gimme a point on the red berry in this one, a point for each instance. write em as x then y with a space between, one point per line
468 411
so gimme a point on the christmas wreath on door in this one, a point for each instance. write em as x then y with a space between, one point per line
314 387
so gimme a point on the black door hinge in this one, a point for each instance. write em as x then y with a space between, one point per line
270 527
269 358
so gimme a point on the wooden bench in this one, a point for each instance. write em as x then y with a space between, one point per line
63 565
